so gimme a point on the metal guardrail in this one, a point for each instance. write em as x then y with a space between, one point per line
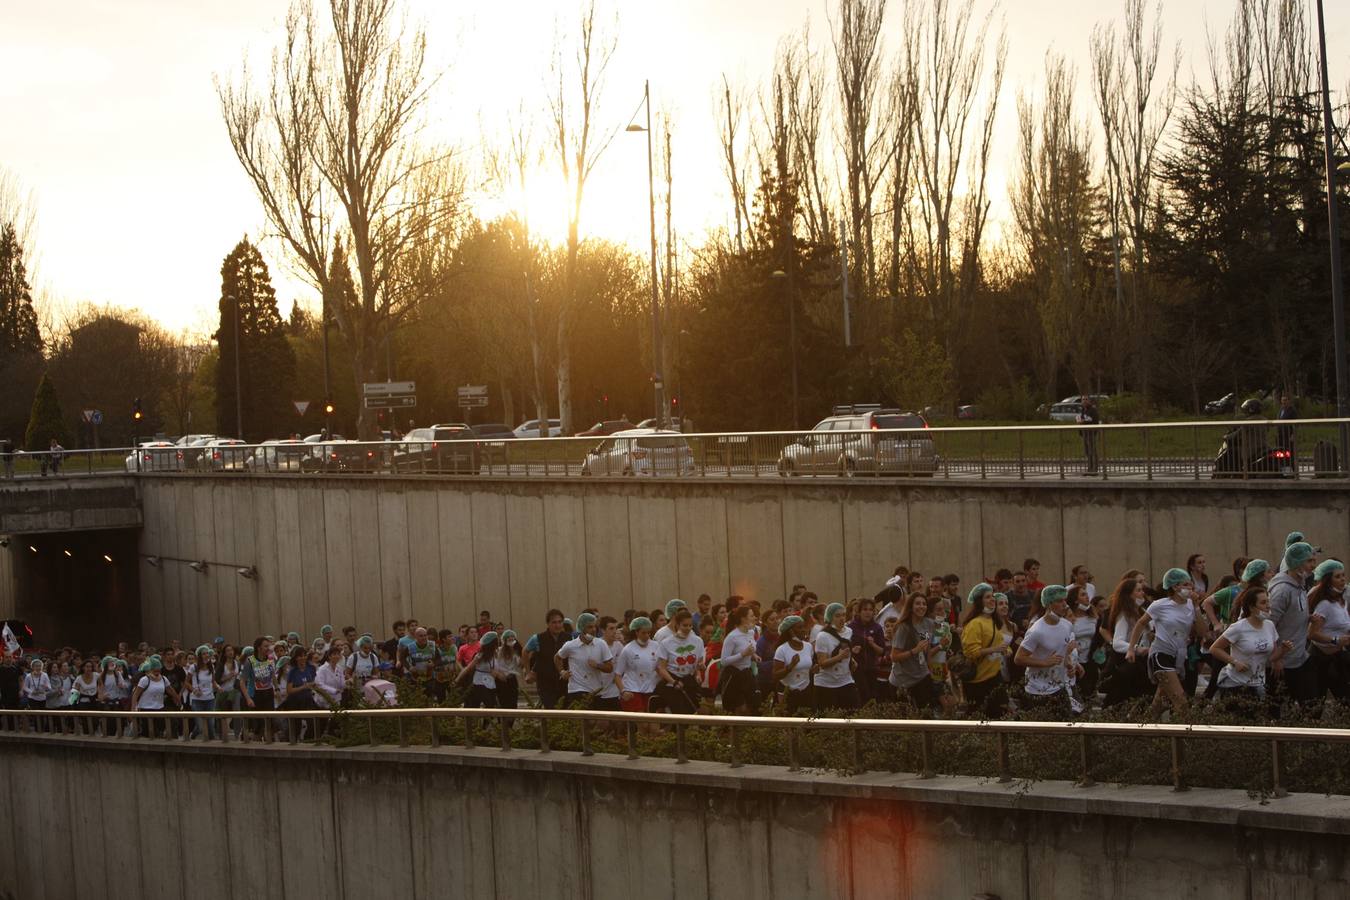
55 723
1264 450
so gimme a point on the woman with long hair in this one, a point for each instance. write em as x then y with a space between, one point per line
765 645
835 687
983 644
1195 568
1123 680
1248 647
480 674
736 680
506 667
228 686
1174 624
153 693
1329 627
84 691
1082 617
910 651
260 680
202 688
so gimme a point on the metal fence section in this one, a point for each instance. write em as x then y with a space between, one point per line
498 727
1248 450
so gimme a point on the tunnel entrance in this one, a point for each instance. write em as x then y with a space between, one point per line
78 588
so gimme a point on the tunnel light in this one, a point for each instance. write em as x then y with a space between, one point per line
31 547
4 542
248 572
153 561
198 566
67 553
107 558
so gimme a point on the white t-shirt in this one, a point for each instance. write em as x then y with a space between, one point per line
152 692
1335 619
1172 623
1252 646
661 634
115 687
229 675
86 688
733 645
799 678
637 666
201 683
577 654
330 681
482 673
1120 637
1084 627
1042 641
682 655
836 675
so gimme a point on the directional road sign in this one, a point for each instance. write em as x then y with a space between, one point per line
472 395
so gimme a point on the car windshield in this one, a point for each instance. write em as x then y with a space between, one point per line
454 434
901 421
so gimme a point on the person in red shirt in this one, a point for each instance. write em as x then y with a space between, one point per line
1032 568
470 649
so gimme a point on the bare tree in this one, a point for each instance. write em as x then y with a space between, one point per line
735 156
1134 109
952 141
802 71
902 109
859 78
332 146
18 208
579 144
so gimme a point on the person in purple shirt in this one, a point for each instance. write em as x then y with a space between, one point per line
869 643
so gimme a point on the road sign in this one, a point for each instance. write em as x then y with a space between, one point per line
88 415
301 406
401 402
472 395
389 394
387 388
97 417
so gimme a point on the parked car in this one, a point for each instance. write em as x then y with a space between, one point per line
155 456
608 427
869 441
492 437
192 445
286 455
439 448
1069 409
1224 406
674 423
641 451
968 411
224 455
530 428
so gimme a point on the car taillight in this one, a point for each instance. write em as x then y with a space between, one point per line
435 444
333 455
875 426
215 455
1281 454
370 454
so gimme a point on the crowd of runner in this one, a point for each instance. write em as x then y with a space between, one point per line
1263 636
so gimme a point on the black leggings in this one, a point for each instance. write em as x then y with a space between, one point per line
845 697
481 697
1124 681
508 693
801 700
681 697
988 698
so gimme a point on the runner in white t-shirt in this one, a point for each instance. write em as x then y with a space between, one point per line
1248 647
667 629
1173 620
584 662
680 666
793 662
1047 650
635 669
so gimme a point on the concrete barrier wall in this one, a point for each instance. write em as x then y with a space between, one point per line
367 551
95 821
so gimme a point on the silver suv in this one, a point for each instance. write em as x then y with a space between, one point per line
863 440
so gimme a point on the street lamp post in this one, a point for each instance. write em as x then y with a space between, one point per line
657 362
1334 226
782 277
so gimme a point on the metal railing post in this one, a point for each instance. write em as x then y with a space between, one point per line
1277 785
1148 454
794 751
543 736
435 731
469 742
402 733
1178 779
681 748
1059 433
586 738
982 468
632 740
1085 758
1004 767
1195 442
859 766
735 747
926 744
1021 454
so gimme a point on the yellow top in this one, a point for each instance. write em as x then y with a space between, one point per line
978 634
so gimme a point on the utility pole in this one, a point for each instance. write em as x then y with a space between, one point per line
1334 226
238 381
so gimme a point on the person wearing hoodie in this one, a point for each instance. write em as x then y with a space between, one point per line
1296 673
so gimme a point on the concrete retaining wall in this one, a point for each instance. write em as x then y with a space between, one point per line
348 550
88 820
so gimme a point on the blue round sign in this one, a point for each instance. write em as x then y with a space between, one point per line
97 417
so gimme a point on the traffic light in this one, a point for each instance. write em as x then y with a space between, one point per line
136 412
328 407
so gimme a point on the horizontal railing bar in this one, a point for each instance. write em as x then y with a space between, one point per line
939 726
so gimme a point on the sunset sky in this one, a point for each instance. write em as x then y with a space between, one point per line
111 117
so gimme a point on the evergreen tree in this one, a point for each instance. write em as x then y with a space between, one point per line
46 421
18 321
266 375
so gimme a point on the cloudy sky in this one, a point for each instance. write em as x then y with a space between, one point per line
111 116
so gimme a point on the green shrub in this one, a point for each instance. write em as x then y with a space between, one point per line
1015 402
